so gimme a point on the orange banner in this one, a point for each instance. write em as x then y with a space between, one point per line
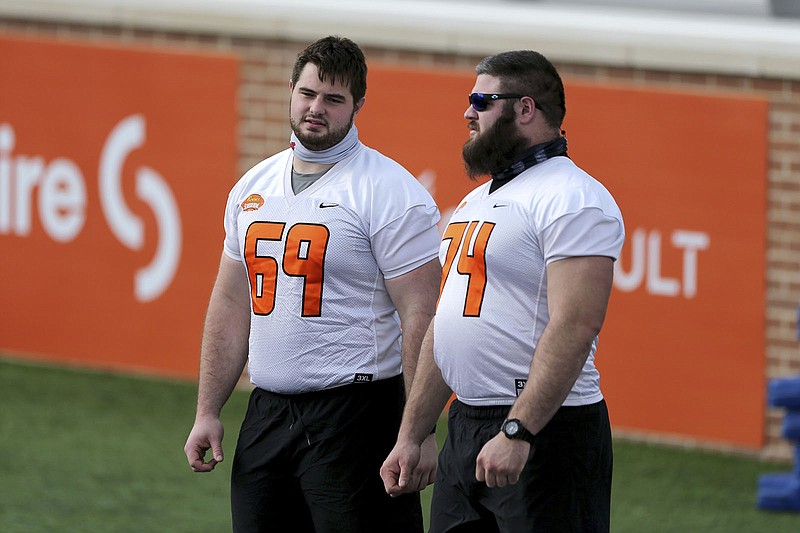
114 166
115 162
682 350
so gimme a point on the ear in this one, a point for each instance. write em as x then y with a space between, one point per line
527 110
359 105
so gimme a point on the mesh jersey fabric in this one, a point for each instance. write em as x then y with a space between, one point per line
317 261
495 251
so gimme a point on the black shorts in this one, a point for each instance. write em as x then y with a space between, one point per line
565 487
311 462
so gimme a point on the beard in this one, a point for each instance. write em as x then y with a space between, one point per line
319 142
494 149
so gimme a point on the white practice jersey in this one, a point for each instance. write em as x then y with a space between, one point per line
316 261
493 305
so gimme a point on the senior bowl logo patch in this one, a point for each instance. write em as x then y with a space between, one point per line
252 202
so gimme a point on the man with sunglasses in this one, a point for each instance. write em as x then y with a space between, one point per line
527 272
330 247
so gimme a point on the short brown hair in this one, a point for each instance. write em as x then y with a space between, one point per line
337 59
529 73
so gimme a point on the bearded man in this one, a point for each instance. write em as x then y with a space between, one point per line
527 273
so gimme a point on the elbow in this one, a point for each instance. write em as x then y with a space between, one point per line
591 326
584 329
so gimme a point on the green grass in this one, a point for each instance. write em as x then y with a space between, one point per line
94 452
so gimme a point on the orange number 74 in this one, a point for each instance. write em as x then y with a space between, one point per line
471 254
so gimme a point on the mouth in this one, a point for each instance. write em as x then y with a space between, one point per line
315 122
473 128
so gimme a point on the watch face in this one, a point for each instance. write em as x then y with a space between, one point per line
512 427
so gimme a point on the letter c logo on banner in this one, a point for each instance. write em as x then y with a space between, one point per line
152 280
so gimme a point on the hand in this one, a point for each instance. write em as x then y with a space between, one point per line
501 461
410 467
206 435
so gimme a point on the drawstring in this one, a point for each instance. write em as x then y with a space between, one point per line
297 416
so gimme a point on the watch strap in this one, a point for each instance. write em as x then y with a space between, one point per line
521 434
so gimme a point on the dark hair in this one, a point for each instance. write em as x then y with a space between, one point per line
337 59
529 73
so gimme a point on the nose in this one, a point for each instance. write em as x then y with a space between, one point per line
470 113
317 105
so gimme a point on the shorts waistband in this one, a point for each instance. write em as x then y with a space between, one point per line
343 390
480 412
489 412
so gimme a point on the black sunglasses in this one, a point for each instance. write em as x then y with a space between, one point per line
480 101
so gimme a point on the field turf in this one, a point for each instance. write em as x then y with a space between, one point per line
87 451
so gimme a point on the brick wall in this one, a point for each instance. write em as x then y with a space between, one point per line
263 129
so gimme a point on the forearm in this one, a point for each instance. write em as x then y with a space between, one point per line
560 355
414 328
414 295
578 292
224 347
222 359
429 394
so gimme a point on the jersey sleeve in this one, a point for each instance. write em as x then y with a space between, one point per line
589 231
402 216
233 207
231 243
408 241
579 218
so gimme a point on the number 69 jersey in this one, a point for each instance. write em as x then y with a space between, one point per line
316 262
495 251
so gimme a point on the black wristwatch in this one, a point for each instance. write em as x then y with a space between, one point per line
513 429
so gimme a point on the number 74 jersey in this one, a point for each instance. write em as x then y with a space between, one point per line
495 250
316 261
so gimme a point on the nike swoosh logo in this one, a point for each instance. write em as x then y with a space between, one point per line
500 205
327 204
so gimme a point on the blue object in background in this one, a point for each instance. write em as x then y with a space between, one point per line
781 492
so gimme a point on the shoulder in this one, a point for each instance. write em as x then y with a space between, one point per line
267 165
566 188
266 169
379 166
385 177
